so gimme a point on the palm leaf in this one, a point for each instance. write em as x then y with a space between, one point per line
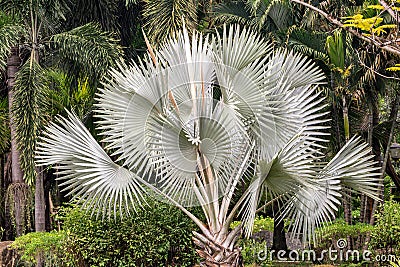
164 18
90 50
352 167
50 14
95 180
10 33
308 43
230 12
4 127
29 106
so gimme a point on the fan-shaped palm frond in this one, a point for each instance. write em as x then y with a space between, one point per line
310 206
88 164
273 14
266 16
161 121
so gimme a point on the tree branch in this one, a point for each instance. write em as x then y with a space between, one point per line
333 20
390 11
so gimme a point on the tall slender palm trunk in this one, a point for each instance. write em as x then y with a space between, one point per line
393 118
347 196
18 185
40 202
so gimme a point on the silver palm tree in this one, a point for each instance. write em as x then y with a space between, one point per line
192 120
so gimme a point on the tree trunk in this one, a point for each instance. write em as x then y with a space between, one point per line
347 192
219 252
392 173
364 198
393 117
13 63
40 207
279 236
376 150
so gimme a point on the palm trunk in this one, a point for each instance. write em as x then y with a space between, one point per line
364 198
347 195
40 207
393 117
335 116
13 63
376 150
219 251
40 204
279 236
18 184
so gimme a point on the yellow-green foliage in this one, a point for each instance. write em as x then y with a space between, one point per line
380 7
386 232
260 224
47 244
394 68
371 25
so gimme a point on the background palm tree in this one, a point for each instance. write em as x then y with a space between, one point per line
39 44
197 117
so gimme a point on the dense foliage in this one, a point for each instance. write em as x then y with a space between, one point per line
159 235
385 236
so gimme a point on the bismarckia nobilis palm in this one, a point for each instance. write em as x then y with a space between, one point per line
192 120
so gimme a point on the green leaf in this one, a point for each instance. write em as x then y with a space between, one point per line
90 50
29 111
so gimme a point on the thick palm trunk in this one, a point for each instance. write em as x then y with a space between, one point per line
219 251
279 235
18 185
13 62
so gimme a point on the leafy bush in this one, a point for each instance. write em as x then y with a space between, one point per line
386 233
159 235
254 253
48 245
260 224
339 229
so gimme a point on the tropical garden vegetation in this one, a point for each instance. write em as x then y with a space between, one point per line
178 133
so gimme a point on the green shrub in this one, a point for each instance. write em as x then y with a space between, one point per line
386 233
48 245
260 224
339 229
251 249
160 235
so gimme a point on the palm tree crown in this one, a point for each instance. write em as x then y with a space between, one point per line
192 120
